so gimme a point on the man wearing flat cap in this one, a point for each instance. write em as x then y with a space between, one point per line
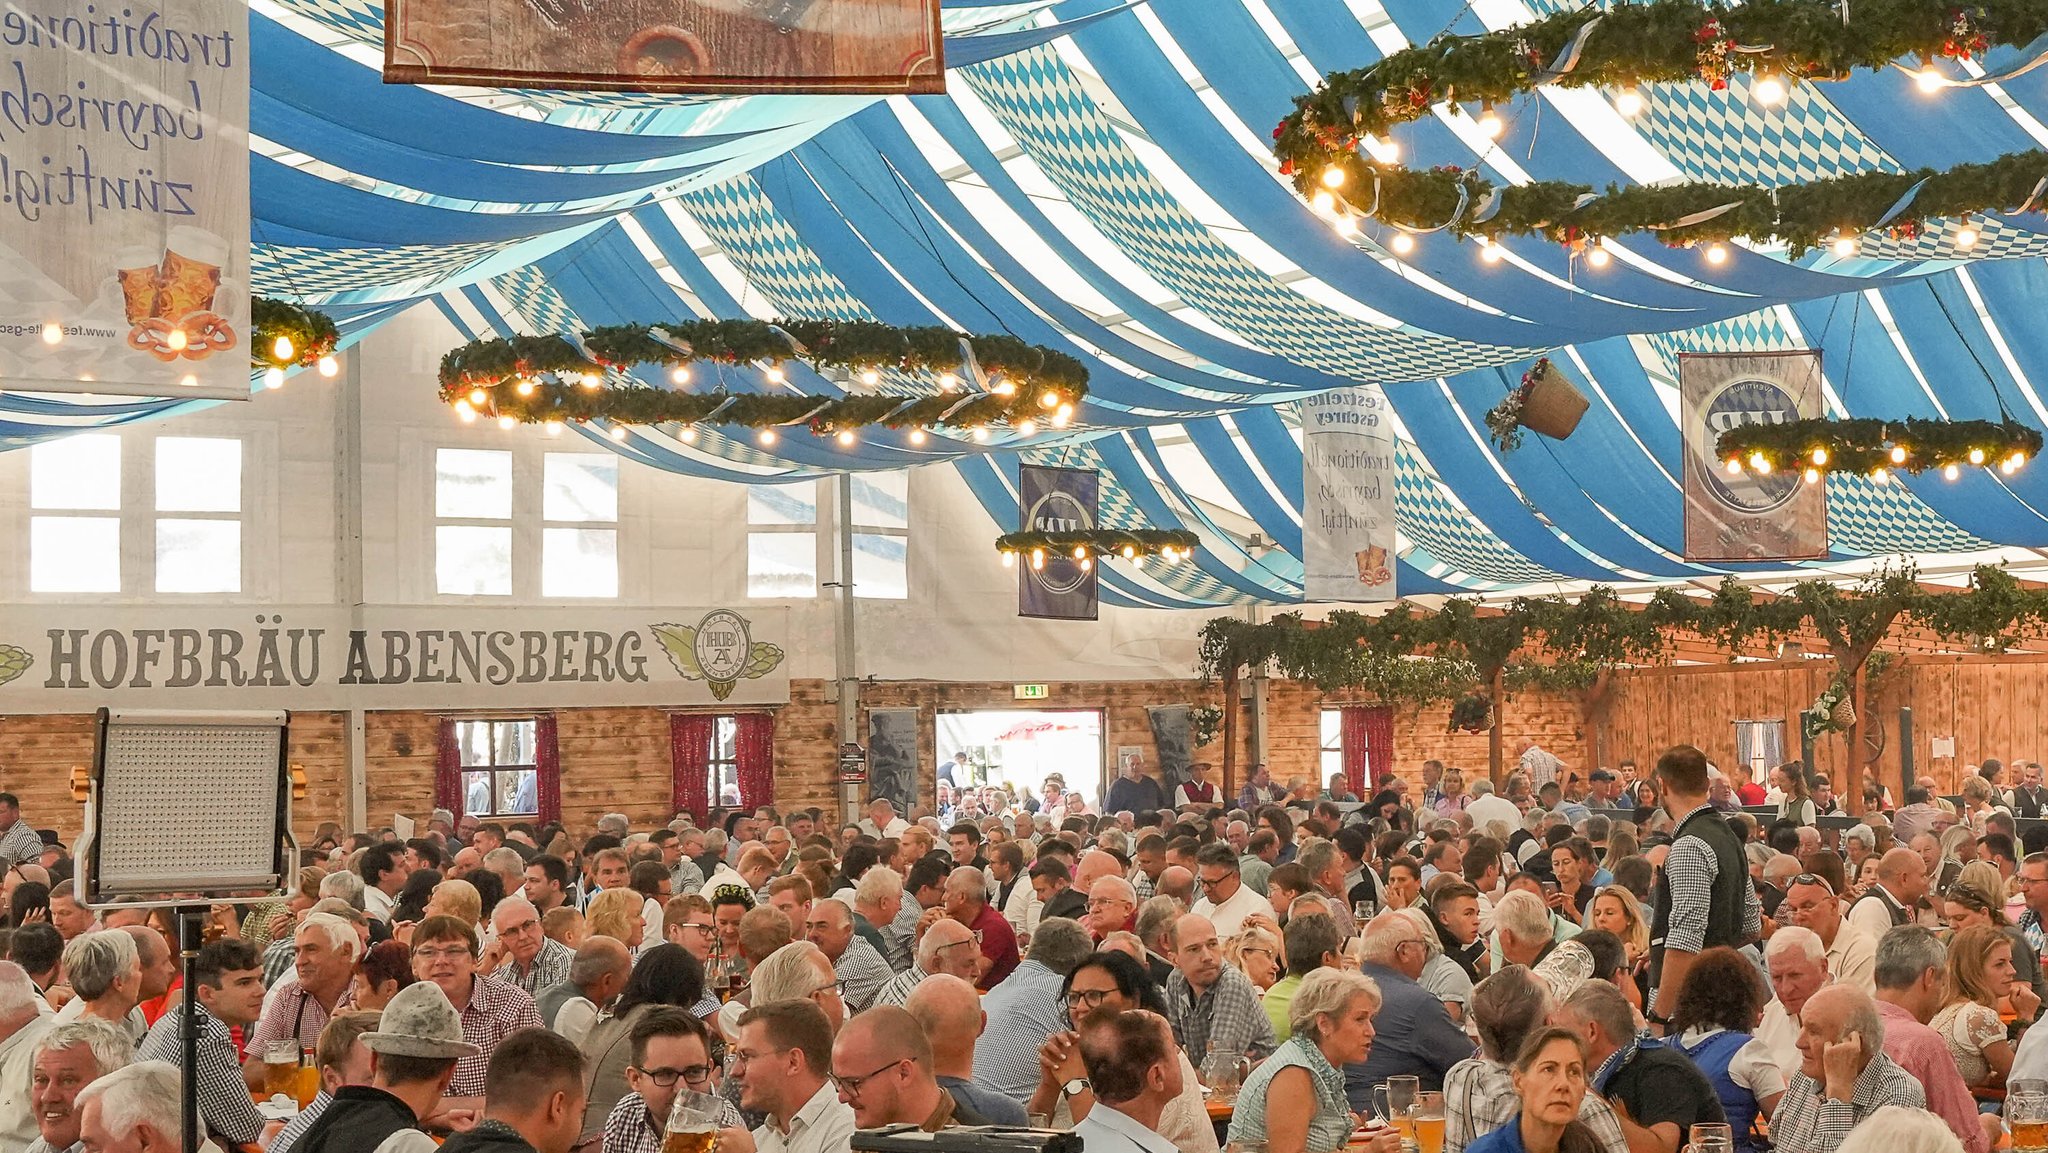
412 1059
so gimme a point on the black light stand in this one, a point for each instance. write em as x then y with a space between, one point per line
191 935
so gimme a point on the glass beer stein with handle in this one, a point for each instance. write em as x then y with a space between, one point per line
692 1123
1223 1073
2026 1114
1398 1110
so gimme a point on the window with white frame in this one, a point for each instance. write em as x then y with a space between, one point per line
190 511
1332 724
881 535
499 767
782 540
481 495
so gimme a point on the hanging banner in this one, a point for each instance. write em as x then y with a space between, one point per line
1748 516
1057 500
1347 486
885 46
124 198
77 658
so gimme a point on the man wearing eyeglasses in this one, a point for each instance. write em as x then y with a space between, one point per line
1852 953
1112 906
882 1067
781 1060
670 1054
444 951
1416 1036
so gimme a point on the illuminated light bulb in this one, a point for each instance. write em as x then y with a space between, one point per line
189 380
554 427
1717 254
1976 456
1333 177
52 333
1734 466
524 387
1087 563
1403 244
1080 552
1820 455
1898 454
1049 399
1845 244
870 377
618 432
1027 428
591 380
767 436
328 366
1138 562
1009 559
273 378
1038 558
1966 237
1490 124
1811 475
846 438
176 340
1323 202
2017 459
1880 476
689 434
1597 256
507 423
948 382
1768 90
917 436
1760 462
1384 151
465 413
282 350
1950 472
479 397
981 432
1169 554
1929 80
776 375
1629 102
1490 252
680 376
1130 552
1003 388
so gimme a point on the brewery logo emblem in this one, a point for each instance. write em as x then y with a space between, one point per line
14 661
718 650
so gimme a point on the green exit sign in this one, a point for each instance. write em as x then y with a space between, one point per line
1034 692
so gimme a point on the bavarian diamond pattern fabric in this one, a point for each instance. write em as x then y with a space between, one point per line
746 227
291 270
1726 137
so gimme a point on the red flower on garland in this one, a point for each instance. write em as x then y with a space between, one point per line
1967 37
1905 230
1715 48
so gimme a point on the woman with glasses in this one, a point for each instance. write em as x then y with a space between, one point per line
1111 983
664 976
1294 1101
1256 953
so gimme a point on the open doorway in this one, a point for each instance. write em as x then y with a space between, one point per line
1019 748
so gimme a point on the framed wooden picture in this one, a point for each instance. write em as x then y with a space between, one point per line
706 46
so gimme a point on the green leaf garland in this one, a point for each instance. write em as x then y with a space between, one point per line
1172 544
312 334
1866 446
533 379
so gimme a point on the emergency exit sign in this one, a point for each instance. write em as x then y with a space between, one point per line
1034 692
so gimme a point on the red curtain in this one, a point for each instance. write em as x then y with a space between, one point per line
756 754
547 762
1368 744
689 756
448 771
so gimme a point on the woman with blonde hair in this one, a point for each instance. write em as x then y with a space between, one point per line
1621 845
615 913
1294 1101
1979 973
1453 800
1958 848
1977 898
1255 952
1616 910
1978 804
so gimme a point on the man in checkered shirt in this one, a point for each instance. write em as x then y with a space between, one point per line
19 844
533 961
669 1057
1844 1075
444 951
1212 1007
230 994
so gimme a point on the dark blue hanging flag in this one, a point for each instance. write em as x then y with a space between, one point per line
1057 500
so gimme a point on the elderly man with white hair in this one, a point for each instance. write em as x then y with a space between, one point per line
67 1059
133 1110
947 947
1112 906
1798 965
533 961
1522 928
1844 1075
1417 1037
325 949
22 1023
1487 806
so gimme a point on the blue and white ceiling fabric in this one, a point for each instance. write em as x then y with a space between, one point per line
1097 179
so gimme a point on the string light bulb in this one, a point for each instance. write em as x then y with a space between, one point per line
1717 253
2007 466
1038 558
1950 471
1080 552
1403 244
1769 90
1629 102
1322 201
1811 475
507 423
1087 563
553 427
328 366
948 382
776 375
618 432
1929 80
1845 244
1734 466
1489 251
870 377
1049 399
917 436
1966 235
1597 255
766 437
1819 455
689 434
1009 559
1063 416
846 438
1003 388
1333 177
681 375
1760 462
590 380
1130 552
1880 475
478 397
1976 456
273 377
1898 454
1490 123
465 413
1027 428
282 349
1169 554
2017 459
524 387
981 432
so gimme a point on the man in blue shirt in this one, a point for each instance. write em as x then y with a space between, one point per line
1025 1008
1415 1035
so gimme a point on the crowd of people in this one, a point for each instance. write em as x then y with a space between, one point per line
1575 962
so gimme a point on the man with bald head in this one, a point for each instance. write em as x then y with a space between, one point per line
1093 865
596 975
1901 882
1844 1075
1852 954
882 1063
947 947
861 969
1212 1006
1178 882
967 903
950 1011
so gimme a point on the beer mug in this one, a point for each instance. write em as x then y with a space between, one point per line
1712 1137
692 1123
1223 1073
281 1068
1399 1096
1429 1122
2026 1114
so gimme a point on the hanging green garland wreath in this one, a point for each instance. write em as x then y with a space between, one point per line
284 335
555 379
1867 446
1086 545
1318 145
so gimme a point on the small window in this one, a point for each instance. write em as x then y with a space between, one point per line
75 554
881 535
579 547
499 768
1332 725
723 774
473 558
782 540
473 484
199 550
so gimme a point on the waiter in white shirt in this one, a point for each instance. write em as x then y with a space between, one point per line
1134 1070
